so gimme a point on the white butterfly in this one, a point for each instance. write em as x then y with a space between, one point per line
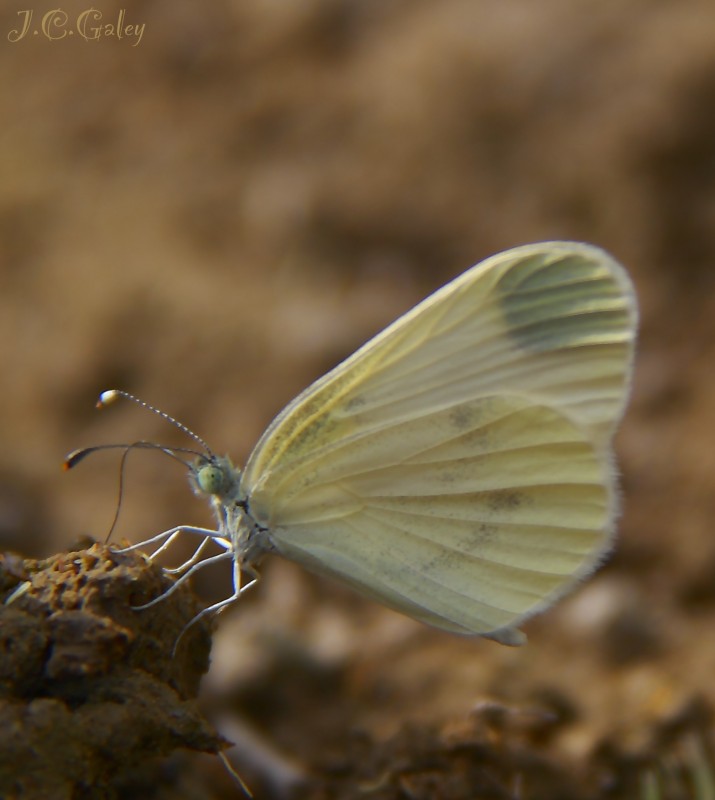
457 467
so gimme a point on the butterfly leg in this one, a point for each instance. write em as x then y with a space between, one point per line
206 562
196 557
170 534
166 545
217 608
169 537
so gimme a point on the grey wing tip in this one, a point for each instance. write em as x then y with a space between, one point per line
512 637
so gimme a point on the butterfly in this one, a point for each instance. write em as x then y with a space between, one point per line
458 467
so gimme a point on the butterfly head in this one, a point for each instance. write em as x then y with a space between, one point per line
215 476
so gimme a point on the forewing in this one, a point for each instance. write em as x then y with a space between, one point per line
554 322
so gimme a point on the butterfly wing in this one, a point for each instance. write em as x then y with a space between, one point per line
457 467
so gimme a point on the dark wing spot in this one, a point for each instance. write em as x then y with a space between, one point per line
505 499
462 417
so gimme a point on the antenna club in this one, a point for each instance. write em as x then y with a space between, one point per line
108 397
74 458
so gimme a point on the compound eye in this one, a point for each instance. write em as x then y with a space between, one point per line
211 479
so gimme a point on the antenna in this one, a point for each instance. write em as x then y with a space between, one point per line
111 395
73 458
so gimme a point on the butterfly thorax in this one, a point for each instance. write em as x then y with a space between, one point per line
219 481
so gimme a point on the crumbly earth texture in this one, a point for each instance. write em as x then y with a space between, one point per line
88 686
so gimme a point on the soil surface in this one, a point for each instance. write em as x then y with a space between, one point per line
212 215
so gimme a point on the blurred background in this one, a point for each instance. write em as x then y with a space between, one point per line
216 207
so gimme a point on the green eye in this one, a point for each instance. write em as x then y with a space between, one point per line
211 479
